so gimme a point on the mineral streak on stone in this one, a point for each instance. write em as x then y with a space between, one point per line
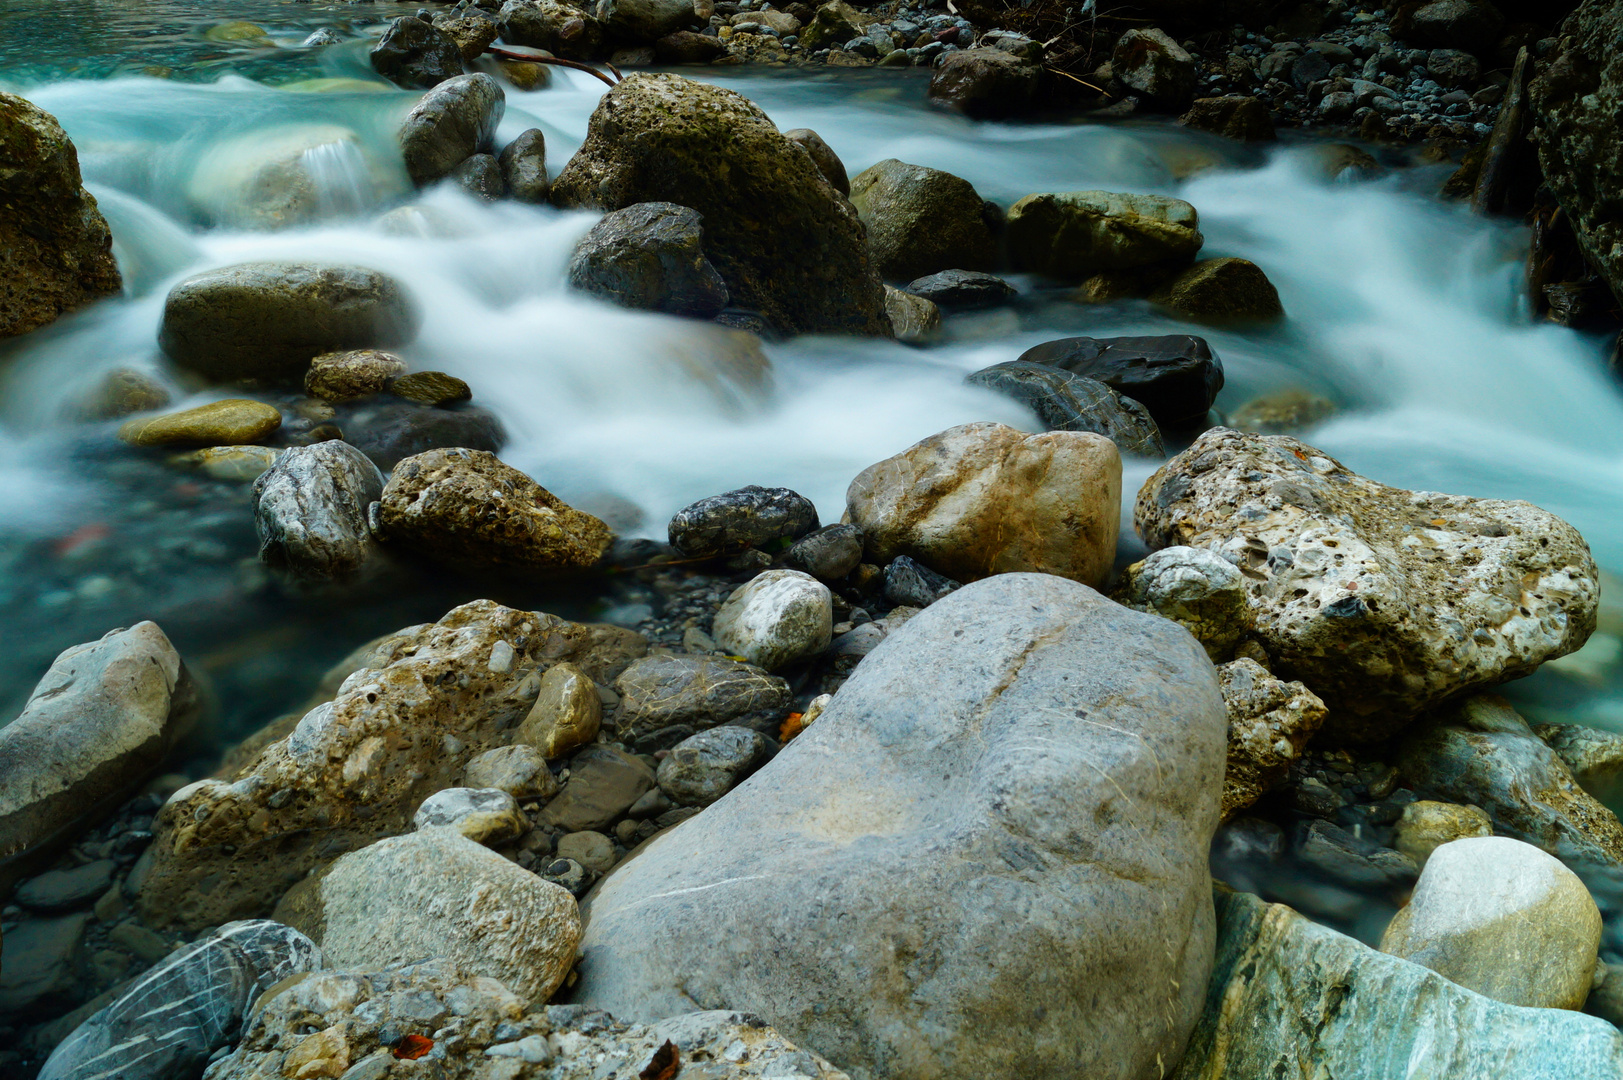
703 691
1384 602
356 768
310 511
172 1019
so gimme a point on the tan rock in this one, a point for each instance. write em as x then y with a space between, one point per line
324 1054
1080 233
592 850
1270 723
431 388
1427 825
233 464
484 815
355 768
468 507
1594 756
1282 412
232 422
913 317
566 713
351 375
1221 291
984 498
1197 588
519 770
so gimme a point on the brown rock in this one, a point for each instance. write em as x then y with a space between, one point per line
921 221
431 388
120 393
603 784
1219 291
688 47
827 161
1270 723
566 713
1236 116
985 82
349 376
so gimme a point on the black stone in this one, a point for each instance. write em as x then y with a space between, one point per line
1066 401
750 517
416 55
914 584
827 554
963 290
1176 376
650 256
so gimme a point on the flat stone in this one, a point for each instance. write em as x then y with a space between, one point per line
963 290
233 464
603 784
704 691
219 423
431 388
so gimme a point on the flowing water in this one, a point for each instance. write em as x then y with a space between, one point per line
1406 311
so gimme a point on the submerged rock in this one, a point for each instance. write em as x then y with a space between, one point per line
1270 723
416 54
310 512
56 252
356 768
912 318
389 432
1371 1016
1024 745
1174 376
1502 918
119 393
779 618
651 256
1075 234
984 498
468 508
1384 602
219 423
1066 401
751 517
922 221
663 138
454 121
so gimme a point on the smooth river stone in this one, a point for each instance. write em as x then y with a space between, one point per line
233 422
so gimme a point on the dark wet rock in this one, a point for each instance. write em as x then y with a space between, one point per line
922 221
911 583
1472 25
39 976
644 20
751 517
603 784
833 23
963 290
1236 116
702 691
703 767
56 252
912 318
433 388
1066 401
1222 291
472 32
985 82
823 156
390 432
1150 63
1343 857
829 553
649 256
480 176
964 771
689 47
416 54
1176 377
310 511
454 121
663 138
171 1020
65 890
468 508
264 322
561 29
524 167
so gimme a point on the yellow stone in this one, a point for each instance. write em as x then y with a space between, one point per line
566 714
322 1055
237 31
232 422
233 464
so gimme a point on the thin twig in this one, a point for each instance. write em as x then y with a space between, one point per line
504 54
1073 78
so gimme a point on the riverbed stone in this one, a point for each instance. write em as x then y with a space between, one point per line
1502 918
829 553
1374 1016
56 252
454 121
524 167
1197 588
416 54
708 764
484 815
1384 602
650 256
97 725
566 713
985 498
912 585
562 29
67 889
1222 291
701 691
966 768
389 432
1471 25
480 176
604 783
434 388
520 770
1066 401
264 322
913 319
644 20
750 517
39 976
1427 825
777 619
1480 752
119 393
357 767
985 82
310 511
823 156
1270 723
1076 234
1283 412
1175 376
173 1018
1236 116
352 374
231 422
1594 756
922 221
1153 65
468 508
663 138
963 290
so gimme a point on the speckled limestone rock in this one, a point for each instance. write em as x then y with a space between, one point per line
1504 919
1595 757
663 138
168 1022
984 498
566 713
1289 997
352 375
1270 723
776 619
483 815
310 512
921 221
1383 601
357 767
1022 746
1079 233
335 1021
469 508
437 893
232 422
1196 588
56 252
1427 825
1481 753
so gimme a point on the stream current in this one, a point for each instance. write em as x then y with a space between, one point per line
1406 311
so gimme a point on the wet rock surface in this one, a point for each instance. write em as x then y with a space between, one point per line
1066 401
922 221
310 511
1075 234
219 423
651 256
454 121
750 517
1175 377
416 54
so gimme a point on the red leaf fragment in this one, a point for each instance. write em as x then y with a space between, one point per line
664 1065
412 1047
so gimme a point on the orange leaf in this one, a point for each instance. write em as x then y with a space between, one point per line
791 727
665 1063
413 1047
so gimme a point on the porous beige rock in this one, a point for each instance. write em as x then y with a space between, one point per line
1270 723
985 498
219 423
1080 233
1383 601
469 508
355 768
566 713
348 376
1427 825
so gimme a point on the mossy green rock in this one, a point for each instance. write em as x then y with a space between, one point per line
1222 291
232 422
921 221
1079 233
785 241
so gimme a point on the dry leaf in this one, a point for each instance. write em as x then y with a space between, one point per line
791 727
665 1063
413 1047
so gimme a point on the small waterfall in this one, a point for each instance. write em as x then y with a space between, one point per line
342 179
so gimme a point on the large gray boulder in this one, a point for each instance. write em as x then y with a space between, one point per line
454 121
264 322
921 221
101 720
310 512
1289 997
788 245
1384 602
986 858
56 252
